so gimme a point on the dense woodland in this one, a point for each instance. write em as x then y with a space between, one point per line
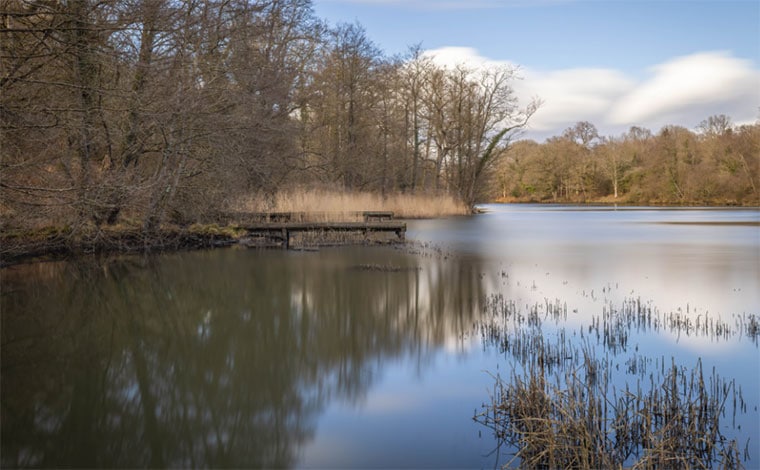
148 112
161 110
718 164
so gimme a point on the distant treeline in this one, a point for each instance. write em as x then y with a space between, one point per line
164 111
717 165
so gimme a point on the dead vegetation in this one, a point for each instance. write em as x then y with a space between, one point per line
326 205
567 403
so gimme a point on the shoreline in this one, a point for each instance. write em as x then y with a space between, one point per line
50 244
618 205
628 203
59 243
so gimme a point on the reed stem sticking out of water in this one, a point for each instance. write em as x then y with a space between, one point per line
560 408
569 423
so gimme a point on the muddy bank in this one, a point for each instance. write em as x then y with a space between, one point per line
57 243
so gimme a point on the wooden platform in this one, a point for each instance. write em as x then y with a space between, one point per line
284 230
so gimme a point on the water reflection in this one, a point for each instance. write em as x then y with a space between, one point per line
356 357
556 251
220 359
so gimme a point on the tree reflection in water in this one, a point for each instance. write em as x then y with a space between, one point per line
221 359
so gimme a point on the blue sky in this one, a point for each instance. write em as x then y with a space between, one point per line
615 63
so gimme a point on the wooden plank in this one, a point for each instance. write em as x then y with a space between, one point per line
377 215
284 230
390 226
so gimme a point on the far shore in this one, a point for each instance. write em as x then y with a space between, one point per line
627 202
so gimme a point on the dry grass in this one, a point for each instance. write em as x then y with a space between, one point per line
404 206
563 406
571 424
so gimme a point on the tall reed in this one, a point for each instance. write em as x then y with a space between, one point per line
339 203
562 406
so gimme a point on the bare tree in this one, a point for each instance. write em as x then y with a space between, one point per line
345 106
414 75
474 114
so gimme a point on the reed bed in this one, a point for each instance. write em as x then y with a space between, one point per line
327 204
569 421
564 405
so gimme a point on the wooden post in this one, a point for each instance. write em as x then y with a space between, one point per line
286 239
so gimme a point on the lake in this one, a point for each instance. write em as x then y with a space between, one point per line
370 356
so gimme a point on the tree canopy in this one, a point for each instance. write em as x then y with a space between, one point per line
156 111
718 164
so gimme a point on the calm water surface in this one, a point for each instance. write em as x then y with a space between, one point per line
353 357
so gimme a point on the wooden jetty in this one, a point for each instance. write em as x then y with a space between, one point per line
281 226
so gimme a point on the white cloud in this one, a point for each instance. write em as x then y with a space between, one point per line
682 91
453 56
703 84
572 95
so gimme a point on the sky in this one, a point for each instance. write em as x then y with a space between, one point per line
614 63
